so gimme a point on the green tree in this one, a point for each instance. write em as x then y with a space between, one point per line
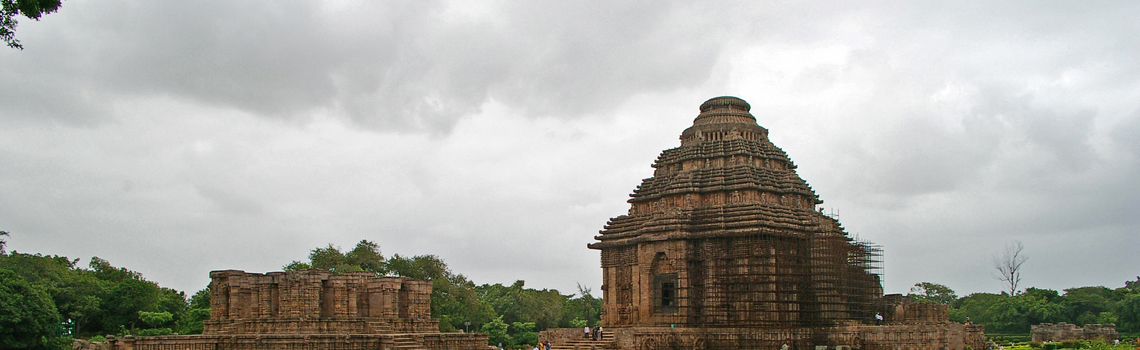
125 301
156 319
517 304
453 297
1128 312
76 293
364 257
933 293
32 9
523 334
583 306
27 314
496 331
1084 305
193 321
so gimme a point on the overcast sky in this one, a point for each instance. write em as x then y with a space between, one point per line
179 137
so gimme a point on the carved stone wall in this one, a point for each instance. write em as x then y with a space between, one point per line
724 248
726 234
313 309
1050 332
428 341
317 302
940 336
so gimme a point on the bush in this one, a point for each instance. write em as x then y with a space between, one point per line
57 343
149 332
28 316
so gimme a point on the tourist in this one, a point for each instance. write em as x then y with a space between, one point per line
878 319
586 331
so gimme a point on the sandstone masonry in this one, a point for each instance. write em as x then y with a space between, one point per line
313 309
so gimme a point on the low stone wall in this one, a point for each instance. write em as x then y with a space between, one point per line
943 336
1049 332
562 335
321 326
430 341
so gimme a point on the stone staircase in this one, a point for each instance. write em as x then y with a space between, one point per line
606 342
406 342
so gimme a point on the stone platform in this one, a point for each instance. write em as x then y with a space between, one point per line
311 310
408 341
945 336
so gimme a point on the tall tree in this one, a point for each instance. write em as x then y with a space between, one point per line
932 292
27 314
32 9
1008 265
364 257
3 242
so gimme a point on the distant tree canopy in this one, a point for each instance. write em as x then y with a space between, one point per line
1014 314
32 9
100 299
364 257
932 292
27 313
512 315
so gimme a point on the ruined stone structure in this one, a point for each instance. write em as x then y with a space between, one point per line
724 248
1049 332
313 309
317 302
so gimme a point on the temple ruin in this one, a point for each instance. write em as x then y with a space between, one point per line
313 309
724 248
1050 332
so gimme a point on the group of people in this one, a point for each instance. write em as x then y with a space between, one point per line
593 333
543 346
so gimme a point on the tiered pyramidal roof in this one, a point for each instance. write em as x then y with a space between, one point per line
725 234
726 178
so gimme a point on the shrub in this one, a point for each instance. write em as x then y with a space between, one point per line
154 331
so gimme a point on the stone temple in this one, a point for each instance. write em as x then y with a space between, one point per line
724 248
314 309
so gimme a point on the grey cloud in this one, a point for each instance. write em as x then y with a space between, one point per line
392 66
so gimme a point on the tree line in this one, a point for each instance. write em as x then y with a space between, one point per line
510 315
41 296
1014 314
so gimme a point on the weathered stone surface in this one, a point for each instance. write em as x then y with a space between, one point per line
1050 332
313 309
725 234
724 248
317 302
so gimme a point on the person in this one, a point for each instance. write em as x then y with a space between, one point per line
600 332
878 319
586 331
